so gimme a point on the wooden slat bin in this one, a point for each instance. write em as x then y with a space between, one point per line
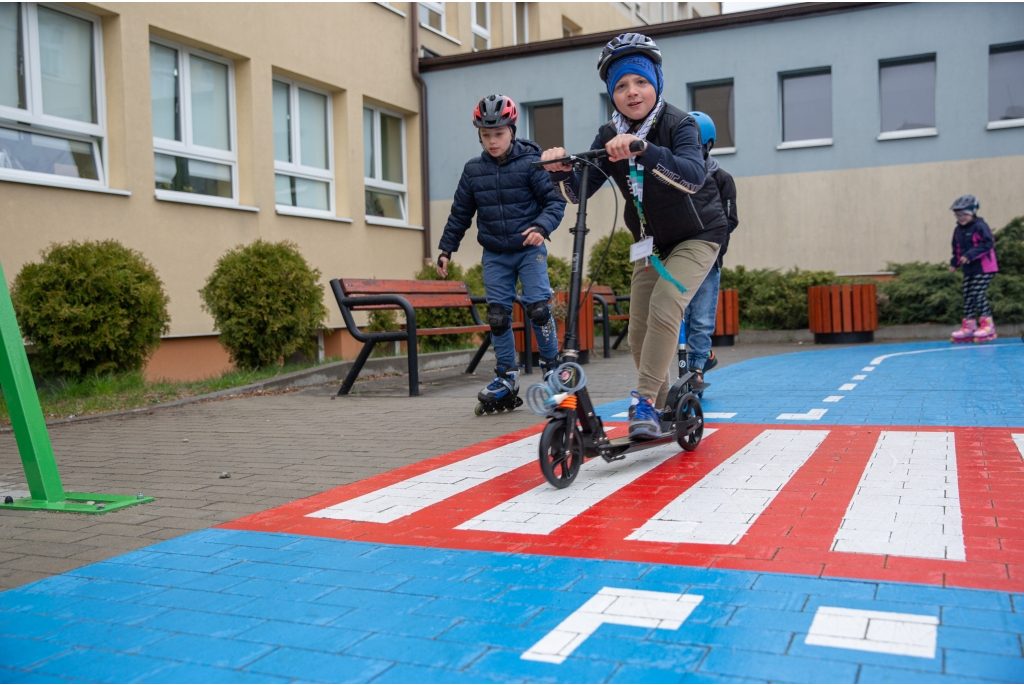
586 324
842 313
727 319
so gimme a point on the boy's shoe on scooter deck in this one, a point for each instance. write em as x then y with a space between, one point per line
966 332
986 330
711 363
644 420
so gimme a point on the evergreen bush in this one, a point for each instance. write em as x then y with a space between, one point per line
90 308
266 302
772 300
443 318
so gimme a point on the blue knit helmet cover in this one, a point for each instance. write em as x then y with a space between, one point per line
640 65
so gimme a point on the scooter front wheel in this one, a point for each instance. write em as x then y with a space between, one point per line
689 422
561 452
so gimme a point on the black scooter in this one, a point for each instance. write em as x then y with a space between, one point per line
574 432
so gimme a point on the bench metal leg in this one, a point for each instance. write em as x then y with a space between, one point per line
414 366
357 366
622 336
478 357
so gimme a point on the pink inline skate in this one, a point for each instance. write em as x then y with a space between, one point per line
966 332
986 331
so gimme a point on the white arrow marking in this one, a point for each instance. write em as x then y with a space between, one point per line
885 632
619 606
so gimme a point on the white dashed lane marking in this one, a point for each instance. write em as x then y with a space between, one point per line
618 606
885 632
908 500
847 386
811 415
833 398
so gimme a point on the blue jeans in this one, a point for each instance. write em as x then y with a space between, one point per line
501 272
700 319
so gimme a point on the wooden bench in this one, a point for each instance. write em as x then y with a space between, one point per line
605 297
842 313
363 294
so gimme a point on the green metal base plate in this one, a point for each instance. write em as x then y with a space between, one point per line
80 503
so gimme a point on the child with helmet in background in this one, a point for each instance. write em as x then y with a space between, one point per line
701 313
974 252
516 208
676 218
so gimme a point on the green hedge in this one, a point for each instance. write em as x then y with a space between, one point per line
90 308
266 302
772 300
929 293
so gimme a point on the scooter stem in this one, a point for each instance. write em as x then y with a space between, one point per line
571 346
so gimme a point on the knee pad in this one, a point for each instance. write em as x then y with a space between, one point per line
539 313
497 319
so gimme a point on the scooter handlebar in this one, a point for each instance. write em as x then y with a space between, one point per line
635 146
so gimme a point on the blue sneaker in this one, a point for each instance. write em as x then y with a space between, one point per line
644 419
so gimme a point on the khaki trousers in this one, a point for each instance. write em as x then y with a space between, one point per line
656 311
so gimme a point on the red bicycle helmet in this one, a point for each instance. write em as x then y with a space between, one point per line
495 111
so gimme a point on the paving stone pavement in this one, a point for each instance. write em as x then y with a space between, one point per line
276 448
871 535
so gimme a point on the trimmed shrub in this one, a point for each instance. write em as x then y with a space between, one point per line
266 302
772 300
91 307
617 271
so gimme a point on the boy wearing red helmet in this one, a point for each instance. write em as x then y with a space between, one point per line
516 209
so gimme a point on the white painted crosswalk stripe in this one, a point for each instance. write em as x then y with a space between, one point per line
908 500
1018 438
544 509
723 505
419 492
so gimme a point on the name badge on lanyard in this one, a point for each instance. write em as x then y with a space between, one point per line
641 249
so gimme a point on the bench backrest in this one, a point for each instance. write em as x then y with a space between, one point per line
604 291
421 294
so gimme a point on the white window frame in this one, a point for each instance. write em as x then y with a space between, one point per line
33 120
1002 123
439 8
477 30
296 168
185 147
922 132
378 184
515 23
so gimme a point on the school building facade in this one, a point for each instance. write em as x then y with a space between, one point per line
849 127
185 129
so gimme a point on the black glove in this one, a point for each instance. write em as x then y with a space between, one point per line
446 255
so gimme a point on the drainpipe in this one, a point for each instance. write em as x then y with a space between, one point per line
414 15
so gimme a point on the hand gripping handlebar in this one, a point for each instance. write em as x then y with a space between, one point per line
635 146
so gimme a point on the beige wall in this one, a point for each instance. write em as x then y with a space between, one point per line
183 241
856 220
849 221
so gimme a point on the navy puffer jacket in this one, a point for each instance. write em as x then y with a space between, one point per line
507 198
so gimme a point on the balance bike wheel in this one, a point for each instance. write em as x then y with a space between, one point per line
561 452
689 422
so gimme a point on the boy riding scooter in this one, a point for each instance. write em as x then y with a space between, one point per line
516 209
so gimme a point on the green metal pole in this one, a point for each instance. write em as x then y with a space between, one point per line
23 404
30 433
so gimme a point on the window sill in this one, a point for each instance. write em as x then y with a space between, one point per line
723 151
389 7
58 182
1006 123
795 144
285 210
187 199
394 223
440 33
913 133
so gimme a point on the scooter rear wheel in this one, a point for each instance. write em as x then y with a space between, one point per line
689 422
561 452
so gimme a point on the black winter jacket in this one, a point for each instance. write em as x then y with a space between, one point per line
975 242
678 204
507 198
727 192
